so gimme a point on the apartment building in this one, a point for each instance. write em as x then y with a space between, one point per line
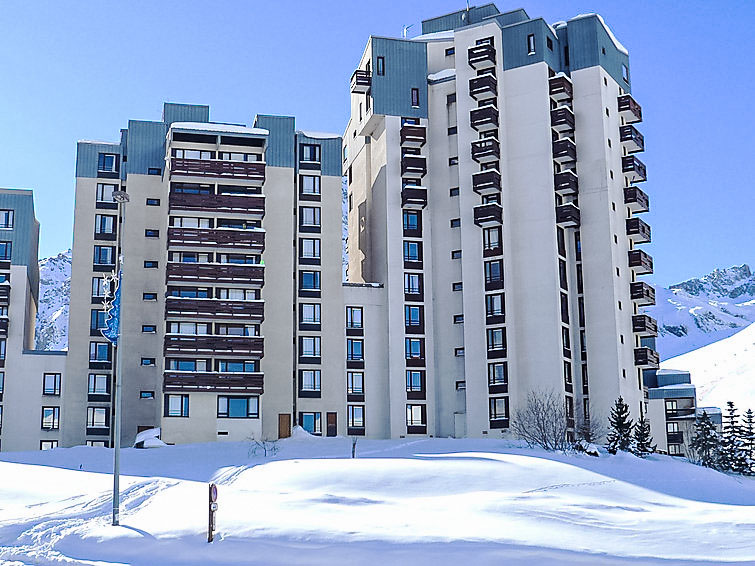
30 380
493 191
230 249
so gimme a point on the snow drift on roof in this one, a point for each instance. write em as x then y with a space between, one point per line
616 42
213 127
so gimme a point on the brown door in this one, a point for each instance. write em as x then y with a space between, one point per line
142 428
284 425
332 424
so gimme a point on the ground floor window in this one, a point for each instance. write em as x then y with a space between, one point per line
176 405
675 449
97 417
499 408
48 444
100 443
311 422
416 415
356 416
238 407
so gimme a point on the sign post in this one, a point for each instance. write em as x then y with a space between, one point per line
212 508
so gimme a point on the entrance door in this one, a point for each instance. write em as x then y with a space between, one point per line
332 424
284 425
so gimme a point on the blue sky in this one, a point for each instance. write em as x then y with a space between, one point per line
80 70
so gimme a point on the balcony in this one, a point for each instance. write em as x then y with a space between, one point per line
567 215
562 119
486 182
680 413
633 168
248 240
213 381
629 109
564 151
640 262
636 199
644 325
179 307
253 205
361 81
484 119
481 56
566 183
244 345
413 197
646 358
560 87
413 166
638 230
413 135
216 272
253 171
483 86
4 295
642 293
631 139
486 150
490 214
4 326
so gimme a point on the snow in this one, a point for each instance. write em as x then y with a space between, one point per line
215 127
440 75
437 35
722 371
616 42
423 501
51 331
321 135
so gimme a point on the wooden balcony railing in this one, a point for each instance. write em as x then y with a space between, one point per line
251 240
244 170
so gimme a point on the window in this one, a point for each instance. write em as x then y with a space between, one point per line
151 233
191 328
355 383
549 43
48 444
149 296
567 375
412 220
107 162
97 417
453 130
98 287
415 98
566 56
6 219
238 407
499 408
238 156
578 246
565 340
414 349
414 380
149 328
459 352
458 319
309 152
355 416
104 224
412 316
498 374
625 73
146 395
5 251
97 443
672 427
153 202
99 384
154 171
562 274
105 192
531 44
453 160
380 67
2 383
416 415
310 380
496 339
564 308
354 317
309 248
491 238
309 280
455 254
449 51
354 349
2 349
97 319
51 418
457 286
455 222
51 384
147 362
234 366
176 405
454 192
310 184
310 313
493 271
189 222
450 98
99 352
150 264
223 329
412 251
674 449
310 346
494 305
412 283
309 216
193 154
311 422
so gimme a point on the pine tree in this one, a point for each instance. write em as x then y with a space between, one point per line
620 434
734 456
748 435
706 443
643 440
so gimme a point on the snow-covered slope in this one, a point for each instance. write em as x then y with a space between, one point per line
429 501
701 311
54 293
722 371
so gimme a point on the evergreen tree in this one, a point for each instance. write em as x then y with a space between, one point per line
643 440
734 456
620 427
706 443
748 435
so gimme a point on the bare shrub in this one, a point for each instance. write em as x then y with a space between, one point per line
542 421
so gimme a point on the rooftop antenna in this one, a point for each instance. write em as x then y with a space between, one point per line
406 29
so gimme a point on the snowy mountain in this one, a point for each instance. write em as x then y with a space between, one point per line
722 371
700 311
52 313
